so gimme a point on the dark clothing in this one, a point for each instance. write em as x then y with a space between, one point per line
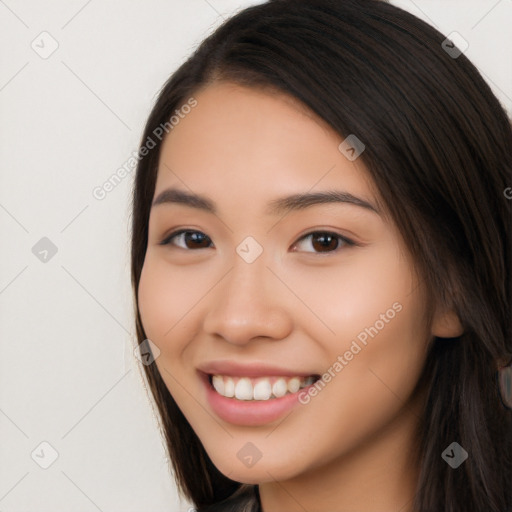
245 499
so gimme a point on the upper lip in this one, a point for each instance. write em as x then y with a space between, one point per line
255 369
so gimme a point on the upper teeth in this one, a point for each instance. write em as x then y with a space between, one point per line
262 388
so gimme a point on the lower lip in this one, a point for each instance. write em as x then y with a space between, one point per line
250 412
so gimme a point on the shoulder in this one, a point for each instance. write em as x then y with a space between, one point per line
245 499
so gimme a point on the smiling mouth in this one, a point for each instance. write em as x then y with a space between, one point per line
258 388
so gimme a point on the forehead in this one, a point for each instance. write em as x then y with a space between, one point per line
264 96
255 142
230 116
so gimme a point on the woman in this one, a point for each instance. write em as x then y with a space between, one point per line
321 260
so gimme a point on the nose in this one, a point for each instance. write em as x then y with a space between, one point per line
248 304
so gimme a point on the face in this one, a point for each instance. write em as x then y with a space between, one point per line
317 295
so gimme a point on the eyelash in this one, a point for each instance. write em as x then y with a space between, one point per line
344 241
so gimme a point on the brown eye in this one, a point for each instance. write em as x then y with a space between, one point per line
188 239
320 241
324 241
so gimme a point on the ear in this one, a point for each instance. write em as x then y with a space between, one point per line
446 324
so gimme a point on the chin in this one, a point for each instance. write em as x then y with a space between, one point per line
261 471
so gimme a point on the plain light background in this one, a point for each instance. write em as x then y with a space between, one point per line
67 372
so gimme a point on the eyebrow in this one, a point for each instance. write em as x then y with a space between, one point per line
277 206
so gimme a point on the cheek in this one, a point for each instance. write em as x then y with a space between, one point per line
387 319
152 300
164 298
372 314
370 290
377 313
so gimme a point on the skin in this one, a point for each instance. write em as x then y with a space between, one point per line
351 448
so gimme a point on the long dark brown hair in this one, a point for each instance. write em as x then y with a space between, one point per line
439 151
